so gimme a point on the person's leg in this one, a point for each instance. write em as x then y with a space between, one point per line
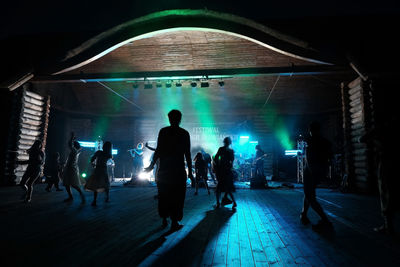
107 195
177 196
233 200
68 189
77 188
385 201
23 181
94 198
218 195
29 184
206 183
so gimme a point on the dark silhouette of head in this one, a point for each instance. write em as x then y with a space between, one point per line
175 117
314 128
199 155
227 141
77 145
107 147
258 147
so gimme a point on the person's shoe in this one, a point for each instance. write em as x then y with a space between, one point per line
70 199
28 200
225 201
383 229
322 225
195 193
304 219
175 227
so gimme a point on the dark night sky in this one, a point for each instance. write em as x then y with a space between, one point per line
29 17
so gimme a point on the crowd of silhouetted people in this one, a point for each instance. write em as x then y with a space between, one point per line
172 164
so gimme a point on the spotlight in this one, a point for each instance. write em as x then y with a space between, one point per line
204 84
83 175
168 85
178 84
144 176
148 86
221 83
158 85
193 84
135 86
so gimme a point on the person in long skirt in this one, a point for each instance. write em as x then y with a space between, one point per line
99 180
71 170
32 173
223 167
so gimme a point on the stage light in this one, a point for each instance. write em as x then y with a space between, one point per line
178 84
291 152
87 144
244 137
83 175
168 85
135 86
221 83
144 175
254 142
193 84
158 85
204 84
114 151
148 86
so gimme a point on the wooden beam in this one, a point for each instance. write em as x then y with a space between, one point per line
192 74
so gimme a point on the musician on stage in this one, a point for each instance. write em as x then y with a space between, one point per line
137 155
259 162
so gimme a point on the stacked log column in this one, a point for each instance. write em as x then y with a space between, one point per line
357 120
29 122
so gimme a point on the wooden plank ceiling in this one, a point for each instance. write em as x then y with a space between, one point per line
194 50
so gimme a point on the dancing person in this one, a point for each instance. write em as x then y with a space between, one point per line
173 148
137 156
318 156
223 166
99 180
55 172
200 167
259 162
34 169
208 160
71 170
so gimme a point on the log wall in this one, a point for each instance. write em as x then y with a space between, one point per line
358 118
28 122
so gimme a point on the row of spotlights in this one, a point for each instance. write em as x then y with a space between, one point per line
177 84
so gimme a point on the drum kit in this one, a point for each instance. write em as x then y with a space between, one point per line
244 168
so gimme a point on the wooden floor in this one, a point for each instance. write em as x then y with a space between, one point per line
265 230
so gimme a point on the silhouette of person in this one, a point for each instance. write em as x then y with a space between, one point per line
32 173
318 155
110 169
200 167
259 162
382 137
173 148
137 156
208 160
99 180
157 164
55 172
223 167
71 170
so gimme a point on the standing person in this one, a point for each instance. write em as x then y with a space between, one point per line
173 148
223 166
200 167
99 180
71 170
259 162
137 156
34 169
318 156
381 138
55 172
208 160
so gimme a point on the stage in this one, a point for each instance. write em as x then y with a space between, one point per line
265 230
